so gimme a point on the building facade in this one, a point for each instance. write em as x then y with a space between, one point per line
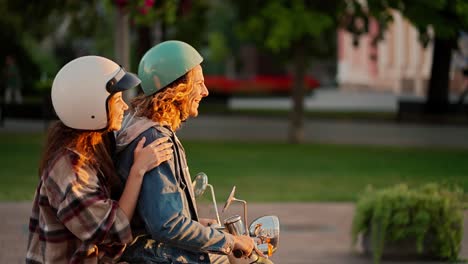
398 64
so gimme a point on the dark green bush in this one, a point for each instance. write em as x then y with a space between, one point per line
397 214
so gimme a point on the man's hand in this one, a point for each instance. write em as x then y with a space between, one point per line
244 244
207 221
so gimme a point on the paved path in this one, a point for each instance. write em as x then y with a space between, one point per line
316 131
325 100
310 232
326 131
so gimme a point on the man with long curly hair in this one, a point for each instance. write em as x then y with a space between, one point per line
167 226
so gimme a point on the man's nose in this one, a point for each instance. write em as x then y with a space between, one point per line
205 91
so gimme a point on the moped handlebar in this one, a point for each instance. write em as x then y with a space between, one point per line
264 230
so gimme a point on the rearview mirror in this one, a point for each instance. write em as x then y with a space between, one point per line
199 184
266 229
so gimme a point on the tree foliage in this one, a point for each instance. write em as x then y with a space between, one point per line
183 20
278 25
26 24
20 23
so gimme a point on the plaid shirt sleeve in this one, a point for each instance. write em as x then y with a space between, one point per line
84 207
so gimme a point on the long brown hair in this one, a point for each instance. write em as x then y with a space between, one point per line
169 106
94 149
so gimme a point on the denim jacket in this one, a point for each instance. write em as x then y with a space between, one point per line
166 213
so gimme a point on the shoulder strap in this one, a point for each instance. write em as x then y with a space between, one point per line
184 185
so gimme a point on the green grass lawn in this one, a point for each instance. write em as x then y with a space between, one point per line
271 171
19 159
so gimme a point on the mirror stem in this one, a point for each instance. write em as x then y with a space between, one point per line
245 214
214 203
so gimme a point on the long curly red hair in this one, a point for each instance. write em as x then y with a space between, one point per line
170 106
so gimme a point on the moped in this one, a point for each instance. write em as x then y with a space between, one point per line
263 230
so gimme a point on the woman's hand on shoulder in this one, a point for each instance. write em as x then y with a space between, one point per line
149 157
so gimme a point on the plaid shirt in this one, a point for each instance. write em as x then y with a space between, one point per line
73 219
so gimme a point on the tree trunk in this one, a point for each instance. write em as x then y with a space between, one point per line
438 90
122 45
144 40
296 129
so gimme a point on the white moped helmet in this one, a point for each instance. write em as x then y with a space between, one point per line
82 87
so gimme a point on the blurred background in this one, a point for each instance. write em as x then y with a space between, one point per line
310 102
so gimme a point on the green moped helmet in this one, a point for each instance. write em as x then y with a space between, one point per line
165 63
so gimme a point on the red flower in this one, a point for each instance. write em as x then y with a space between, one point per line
259 84
149 3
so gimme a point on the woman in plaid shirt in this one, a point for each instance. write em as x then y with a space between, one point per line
74 219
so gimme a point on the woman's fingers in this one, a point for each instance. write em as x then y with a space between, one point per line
161 150
163 158
154 153
140 144
158 142
164 154
162 147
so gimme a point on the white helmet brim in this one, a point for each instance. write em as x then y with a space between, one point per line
122 81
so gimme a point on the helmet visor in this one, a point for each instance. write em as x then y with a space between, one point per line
122 81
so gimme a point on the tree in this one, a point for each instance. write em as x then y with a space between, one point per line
183 18
20 22
293 30
446 18
26 24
